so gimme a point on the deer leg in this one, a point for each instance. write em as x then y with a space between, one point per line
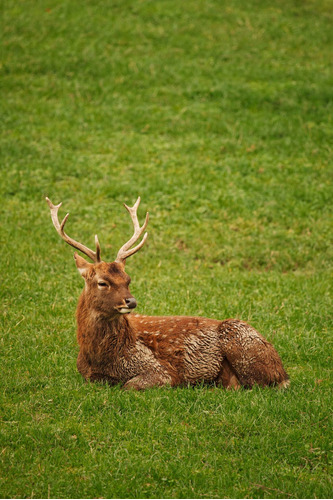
83 366
101 377
227 377
147 380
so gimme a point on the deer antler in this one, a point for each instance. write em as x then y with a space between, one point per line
95 256
126 250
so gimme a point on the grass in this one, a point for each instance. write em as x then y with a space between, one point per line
219 114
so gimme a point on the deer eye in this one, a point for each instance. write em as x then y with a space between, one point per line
102 284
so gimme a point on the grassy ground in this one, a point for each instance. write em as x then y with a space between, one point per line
219 114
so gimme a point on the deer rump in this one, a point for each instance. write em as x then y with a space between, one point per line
145 351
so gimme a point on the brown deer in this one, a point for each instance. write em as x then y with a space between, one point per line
145 351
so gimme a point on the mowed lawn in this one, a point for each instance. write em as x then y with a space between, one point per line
219 115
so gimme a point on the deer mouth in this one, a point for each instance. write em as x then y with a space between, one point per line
124 310
127 306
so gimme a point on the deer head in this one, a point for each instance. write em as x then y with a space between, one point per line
106 284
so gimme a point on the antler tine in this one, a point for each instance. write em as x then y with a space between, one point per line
94 256
126 250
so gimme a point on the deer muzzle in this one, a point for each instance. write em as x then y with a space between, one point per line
130 304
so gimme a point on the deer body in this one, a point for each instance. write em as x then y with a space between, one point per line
145 351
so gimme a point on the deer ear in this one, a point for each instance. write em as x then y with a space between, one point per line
82 265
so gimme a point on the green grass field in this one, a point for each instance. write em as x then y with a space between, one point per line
219 115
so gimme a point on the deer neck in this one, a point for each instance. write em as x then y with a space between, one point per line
95 329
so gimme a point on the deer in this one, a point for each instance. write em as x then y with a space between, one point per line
117 346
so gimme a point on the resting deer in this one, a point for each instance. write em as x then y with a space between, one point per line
145 351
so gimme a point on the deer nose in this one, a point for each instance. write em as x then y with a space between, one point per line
131 303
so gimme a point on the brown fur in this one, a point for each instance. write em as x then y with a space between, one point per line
145 351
